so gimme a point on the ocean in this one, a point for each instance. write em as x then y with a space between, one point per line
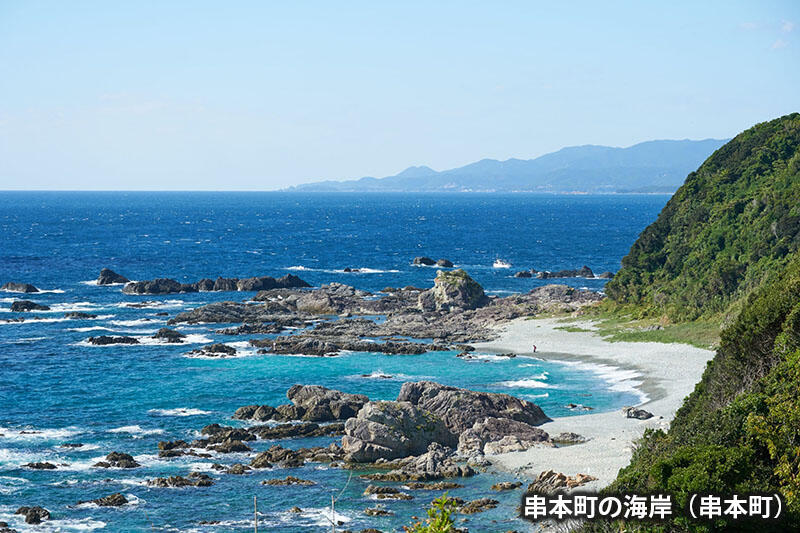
56 389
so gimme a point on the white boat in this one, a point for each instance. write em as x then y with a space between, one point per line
499 263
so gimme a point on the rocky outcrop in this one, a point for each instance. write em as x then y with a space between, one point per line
157 286
24 306
109 277
288 481
478 506
524 274
444 263
438 462
391 430
583 272
77 315
307 344
170 286
286 458
118 460
506 485
170 336
40 466
605 275
195 479
33 515
112 500
423 261
453 289
499 435
550 481
215 350
639 414
104 340
460 409
321 404
18 287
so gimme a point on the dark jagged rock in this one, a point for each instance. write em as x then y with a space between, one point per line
156 286
445 263
204 285
255 412
231 446
112 500
286 458
423 261
308 344
215 350
171 336
104 340
377 511
109 277
24 306
461 408
606 275
195 479
583 272
19 287
118 460
640 414
238 469
225 284
77 315
172 445
289 480
524 274
33 515
391 430
40 466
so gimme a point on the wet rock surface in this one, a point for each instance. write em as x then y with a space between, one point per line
104 340
34 515
112 500
117 460
12 286
109 277
26 306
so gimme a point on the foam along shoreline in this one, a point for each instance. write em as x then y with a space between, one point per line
665 375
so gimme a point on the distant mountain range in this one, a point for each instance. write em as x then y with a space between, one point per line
653 166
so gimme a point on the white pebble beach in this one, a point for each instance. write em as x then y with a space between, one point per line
667 373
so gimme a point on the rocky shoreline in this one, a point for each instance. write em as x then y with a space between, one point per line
429 436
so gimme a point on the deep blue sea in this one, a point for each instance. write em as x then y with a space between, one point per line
55 389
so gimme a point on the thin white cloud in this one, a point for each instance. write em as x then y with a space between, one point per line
780 43
749 26
787 26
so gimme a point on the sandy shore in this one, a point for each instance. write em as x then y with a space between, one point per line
664 374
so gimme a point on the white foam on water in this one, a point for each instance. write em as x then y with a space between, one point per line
529 383
136 430
29 434
137 322
10 485
363 270
178 411
618 379
194 338
299 268
165 304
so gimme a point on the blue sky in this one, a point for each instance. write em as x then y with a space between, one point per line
261 95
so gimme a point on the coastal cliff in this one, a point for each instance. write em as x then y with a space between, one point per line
728 242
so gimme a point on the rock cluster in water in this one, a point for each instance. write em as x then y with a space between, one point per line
171 286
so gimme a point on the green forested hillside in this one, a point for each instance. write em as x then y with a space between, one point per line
735 220
728 241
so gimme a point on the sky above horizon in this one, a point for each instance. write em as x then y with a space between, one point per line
263 95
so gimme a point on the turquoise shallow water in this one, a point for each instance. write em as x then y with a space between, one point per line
55 389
